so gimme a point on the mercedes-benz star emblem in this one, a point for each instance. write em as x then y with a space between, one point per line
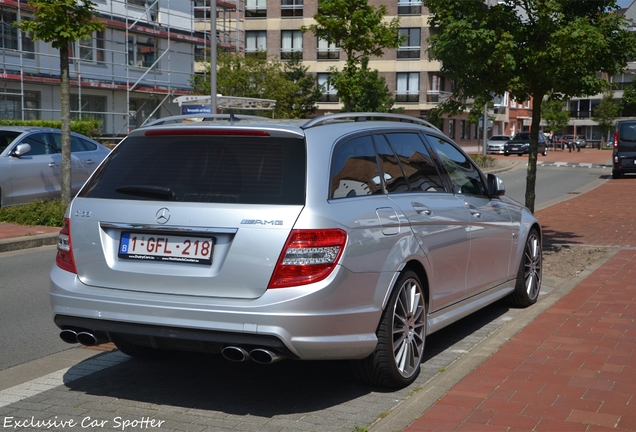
163 215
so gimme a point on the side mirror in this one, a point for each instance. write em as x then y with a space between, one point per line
495 186
20 150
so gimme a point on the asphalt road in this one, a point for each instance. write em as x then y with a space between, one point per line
27 331
553 183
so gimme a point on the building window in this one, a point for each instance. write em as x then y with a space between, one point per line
255 41
256 9
141 3
202 9
142 51
408 87
291 45
327 51
435 92
329 93
9 35
409 7
410 45
92 107
451 128
90 50
291 8
465 130
11 105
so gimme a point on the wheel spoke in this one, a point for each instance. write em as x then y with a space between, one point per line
409 327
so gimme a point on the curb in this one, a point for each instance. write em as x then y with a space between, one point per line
29 241
412 407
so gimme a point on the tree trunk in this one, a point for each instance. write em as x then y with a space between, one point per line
531 177
66 125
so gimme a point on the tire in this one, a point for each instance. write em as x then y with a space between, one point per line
140 351
528 282
401 335
520 154
545 151
616 174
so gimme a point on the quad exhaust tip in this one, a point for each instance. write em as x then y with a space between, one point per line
84 337
259 355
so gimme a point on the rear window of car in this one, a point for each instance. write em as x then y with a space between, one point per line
627 135
205 169
522 136
499 138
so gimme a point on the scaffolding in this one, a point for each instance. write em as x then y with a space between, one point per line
124 76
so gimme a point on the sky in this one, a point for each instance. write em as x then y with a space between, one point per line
624 3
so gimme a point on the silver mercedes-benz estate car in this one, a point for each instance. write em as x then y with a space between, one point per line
348 236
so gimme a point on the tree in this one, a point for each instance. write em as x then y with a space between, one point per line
628 101
301 102
554 114
529 48
605 114
255 76
62 22
361 32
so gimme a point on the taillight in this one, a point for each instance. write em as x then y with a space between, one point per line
308 256
616 140
64 258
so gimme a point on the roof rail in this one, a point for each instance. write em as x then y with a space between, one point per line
364 116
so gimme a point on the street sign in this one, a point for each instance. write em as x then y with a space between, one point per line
489 123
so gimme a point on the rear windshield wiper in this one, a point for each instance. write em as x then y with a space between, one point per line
157 192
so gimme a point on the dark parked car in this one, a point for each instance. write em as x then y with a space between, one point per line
574 142
624 157
31 159
520 144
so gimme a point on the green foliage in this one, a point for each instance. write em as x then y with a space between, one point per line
89 128
39 212
484 161
628 101
605 114
61 21
366 90
256 76
301 101
554 113
360 31
529 48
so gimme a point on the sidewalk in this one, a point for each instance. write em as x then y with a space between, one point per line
574 367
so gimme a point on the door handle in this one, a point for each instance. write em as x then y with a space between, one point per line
473 210
89 162
52 164
421 208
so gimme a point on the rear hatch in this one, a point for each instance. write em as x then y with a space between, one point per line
190 211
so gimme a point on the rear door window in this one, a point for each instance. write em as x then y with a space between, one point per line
354 169
627 136
206 169
416 162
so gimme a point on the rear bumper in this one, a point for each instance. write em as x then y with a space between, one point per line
333 319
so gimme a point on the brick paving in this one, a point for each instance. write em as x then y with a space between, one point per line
574 367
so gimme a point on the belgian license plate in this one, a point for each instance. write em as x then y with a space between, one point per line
166 248
514 148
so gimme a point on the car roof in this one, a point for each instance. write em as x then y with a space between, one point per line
23 129
345 122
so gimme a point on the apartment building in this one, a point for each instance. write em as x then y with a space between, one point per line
124 75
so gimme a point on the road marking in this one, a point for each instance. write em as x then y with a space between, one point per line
63 376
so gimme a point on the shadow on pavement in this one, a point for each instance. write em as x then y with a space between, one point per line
211 383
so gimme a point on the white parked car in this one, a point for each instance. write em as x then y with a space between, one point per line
495 143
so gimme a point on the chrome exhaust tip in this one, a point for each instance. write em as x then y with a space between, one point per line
235 354
68 336
265 356
87 339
